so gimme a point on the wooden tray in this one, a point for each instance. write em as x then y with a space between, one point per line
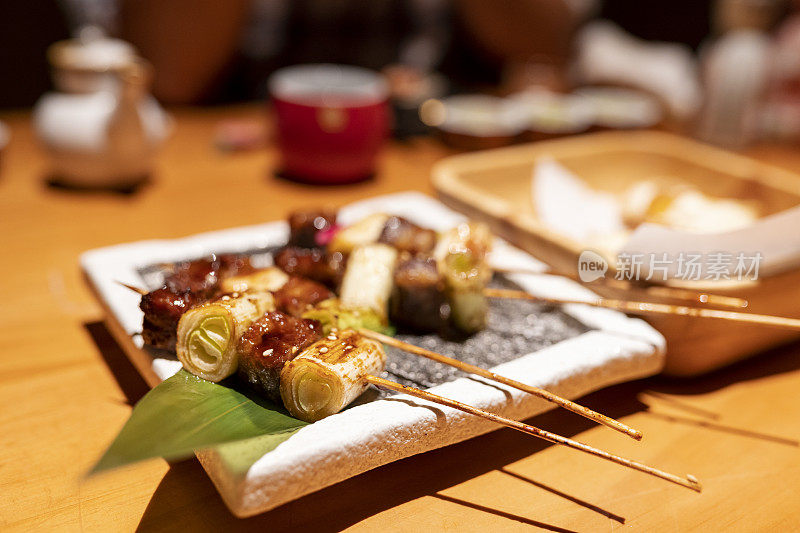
495 185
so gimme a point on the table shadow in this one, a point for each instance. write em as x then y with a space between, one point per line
56 183
128 379
779 360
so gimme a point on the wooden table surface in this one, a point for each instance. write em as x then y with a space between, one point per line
66 387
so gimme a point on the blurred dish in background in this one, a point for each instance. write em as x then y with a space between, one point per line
240 135
569 206
332 121
495 187
621 109
735 69
550 114
474 121
606 55
410 87
101 129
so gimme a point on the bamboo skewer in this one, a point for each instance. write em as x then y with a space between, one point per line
466 367
536 391
650 308
137 290
655 291
688 482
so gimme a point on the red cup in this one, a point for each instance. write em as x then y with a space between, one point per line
332 121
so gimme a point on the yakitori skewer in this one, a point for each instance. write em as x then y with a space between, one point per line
466 367
326 375
650 308
137 290
536 391
689 481
654 291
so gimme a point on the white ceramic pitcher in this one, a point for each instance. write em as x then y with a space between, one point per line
101 128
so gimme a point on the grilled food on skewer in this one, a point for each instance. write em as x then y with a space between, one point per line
189 283
325 377
368 279
366 231
405 236
268 344
316 264
418 301
332 315
308 227
267 279
208 334
298 295
461 256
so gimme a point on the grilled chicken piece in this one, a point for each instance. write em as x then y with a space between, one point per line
316 265
308 228
298 294
406 236
268 344
418 299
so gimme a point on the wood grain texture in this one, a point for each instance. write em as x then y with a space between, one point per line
65 386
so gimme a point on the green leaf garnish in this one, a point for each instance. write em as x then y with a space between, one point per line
186 413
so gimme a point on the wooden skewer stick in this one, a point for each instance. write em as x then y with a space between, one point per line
137 290
650 308
688 482
536 391
656 291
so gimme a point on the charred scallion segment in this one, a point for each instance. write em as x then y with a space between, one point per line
418 300
332 316
366 231
406 236
269 279
328 375
369 277
461 256
208 334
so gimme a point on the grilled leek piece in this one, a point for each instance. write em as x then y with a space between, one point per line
327 375
208 334
461 256
332 315
269 279
369 277
366 231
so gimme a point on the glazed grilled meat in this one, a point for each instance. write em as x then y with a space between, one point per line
407 236
268 344
298 294
418 300
307 227
163 309
203 275
313 264
190 283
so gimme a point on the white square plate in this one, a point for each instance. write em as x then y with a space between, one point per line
613 348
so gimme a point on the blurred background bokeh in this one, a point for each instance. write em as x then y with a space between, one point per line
480 74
